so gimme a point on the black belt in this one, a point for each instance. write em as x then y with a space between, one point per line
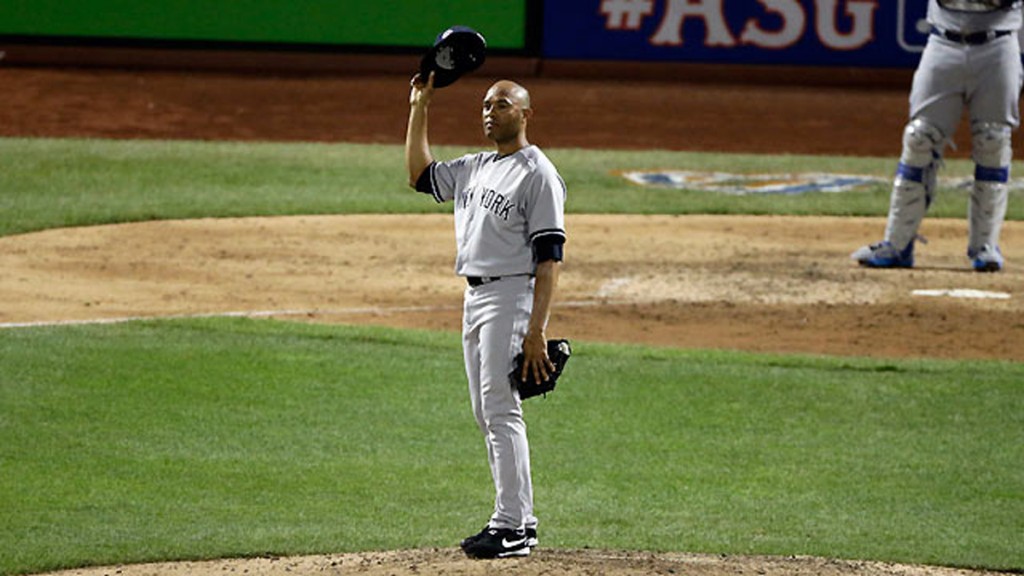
475 281
973 39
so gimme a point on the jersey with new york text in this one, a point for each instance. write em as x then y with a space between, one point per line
968 22
502 205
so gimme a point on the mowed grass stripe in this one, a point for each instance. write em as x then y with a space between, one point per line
49 183
233 437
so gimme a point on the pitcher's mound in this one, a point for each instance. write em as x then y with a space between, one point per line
451 562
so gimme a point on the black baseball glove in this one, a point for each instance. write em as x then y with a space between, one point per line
559 352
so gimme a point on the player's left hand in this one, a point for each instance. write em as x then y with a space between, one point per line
535 358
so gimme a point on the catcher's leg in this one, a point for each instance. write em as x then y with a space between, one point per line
995 112
914 186
912 193
992 153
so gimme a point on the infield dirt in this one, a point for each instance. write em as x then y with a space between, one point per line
768 284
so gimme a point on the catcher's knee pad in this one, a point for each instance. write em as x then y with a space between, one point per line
923 144
992 151
917 171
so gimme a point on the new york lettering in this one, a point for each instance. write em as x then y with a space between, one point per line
496 203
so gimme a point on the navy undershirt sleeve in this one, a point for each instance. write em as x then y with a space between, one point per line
423 182
549 247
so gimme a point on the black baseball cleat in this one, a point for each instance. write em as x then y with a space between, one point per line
497 543
470 539
531 537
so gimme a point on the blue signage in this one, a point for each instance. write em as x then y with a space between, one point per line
868 33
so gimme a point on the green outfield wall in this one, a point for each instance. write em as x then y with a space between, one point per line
391 23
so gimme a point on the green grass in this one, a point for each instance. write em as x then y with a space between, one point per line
48 183
209 438
57 183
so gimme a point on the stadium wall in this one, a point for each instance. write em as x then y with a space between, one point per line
771 41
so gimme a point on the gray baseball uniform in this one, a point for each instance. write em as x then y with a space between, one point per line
972 60
503 206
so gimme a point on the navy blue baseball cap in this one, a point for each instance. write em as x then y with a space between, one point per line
456 51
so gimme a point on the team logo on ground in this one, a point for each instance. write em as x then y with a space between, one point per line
744 184
785 184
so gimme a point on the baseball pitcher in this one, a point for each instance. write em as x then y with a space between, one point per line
510 232
972 59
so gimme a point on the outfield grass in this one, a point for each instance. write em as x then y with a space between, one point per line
208 438
211 438
48 183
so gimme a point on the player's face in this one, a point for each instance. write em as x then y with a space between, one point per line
502 115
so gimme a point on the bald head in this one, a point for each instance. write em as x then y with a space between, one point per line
510 90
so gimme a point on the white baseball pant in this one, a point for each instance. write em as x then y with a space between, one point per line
496 316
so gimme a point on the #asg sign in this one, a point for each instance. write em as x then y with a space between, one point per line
822 32
781 23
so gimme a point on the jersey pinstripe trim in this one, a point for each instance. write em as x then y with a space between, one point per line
427 183
433 184
547 232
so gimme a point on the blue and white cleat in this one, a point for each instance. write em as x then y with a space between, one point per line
884 255
987 259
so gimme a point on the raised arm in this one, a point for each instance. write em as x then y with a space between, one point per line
417 146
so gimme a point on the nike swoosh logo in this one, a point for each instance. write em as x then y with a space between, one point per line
514 543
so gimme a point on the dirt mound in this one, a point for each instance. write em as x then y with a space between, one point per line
767 284
451 562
